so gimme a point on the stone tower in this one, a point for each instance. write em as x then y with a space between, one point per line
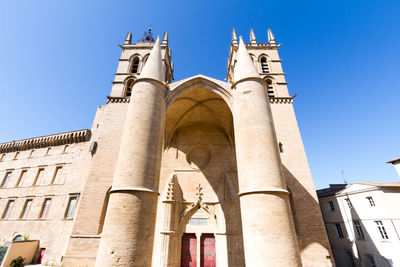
195 172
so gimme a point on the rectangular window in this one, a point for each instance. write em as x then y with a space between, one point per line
349 203
38 178
20 178
8 209
2 157
331 206
56 175
25 210
45 208
16 155
382 230
65 149
358 230
339 231
71 207
5 179
371 201
371 261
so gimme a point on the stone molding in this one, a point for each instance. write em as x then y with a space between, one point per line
233 85
133 189
272 73
272 100
256 46
282 100
263 191
85 236
45 141
141 47
116 99
127 73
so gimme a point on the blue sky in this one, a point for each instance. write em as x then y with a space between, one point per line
58 58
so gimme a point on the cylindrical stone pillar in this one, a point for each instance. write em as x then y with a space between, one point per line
268 230
128 233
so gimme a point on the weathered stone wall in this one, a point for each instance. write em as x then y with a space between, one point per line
54 230
84 242
310 229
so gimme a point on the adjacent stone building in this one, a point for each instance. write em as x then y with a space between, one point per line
196 172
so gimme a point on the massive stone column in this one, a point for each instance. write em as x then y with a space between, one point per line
128 233
268 230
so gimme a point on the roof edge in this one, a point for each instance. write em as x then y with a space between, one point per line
47 140
394 161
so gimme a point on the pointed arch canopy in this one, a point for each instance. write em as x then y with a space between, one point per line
199 101
201 80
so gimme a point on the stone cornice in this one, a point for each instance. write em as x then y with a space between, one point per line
115 99
249 79
257 46
272 100
264 191
45 141
127 73
141 47
282 100
272 73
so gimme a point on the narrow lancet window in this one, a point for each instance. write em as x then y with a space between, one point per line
128 89
271 92
135 65
264 65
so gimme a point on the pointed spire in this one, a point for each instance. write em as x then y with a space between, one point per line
234 37
244 67
154 68
165 38
252 37
271 38
128 38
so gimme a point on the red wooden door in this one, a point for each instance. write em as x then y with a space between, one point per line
41 255
207 250
189 250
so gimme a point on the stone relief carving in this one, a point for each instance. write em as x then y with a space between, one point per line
194 206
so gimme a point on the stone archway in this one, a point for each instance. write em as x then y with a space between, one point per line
199 150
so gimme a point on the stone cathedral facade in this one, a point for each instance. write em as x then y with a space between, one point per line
196 172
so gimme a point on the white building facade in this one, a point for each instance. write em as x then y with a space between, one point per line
363 223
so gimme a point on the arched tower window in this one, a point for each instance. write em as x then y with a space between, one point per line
135 65
264 65
271 92
128 89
